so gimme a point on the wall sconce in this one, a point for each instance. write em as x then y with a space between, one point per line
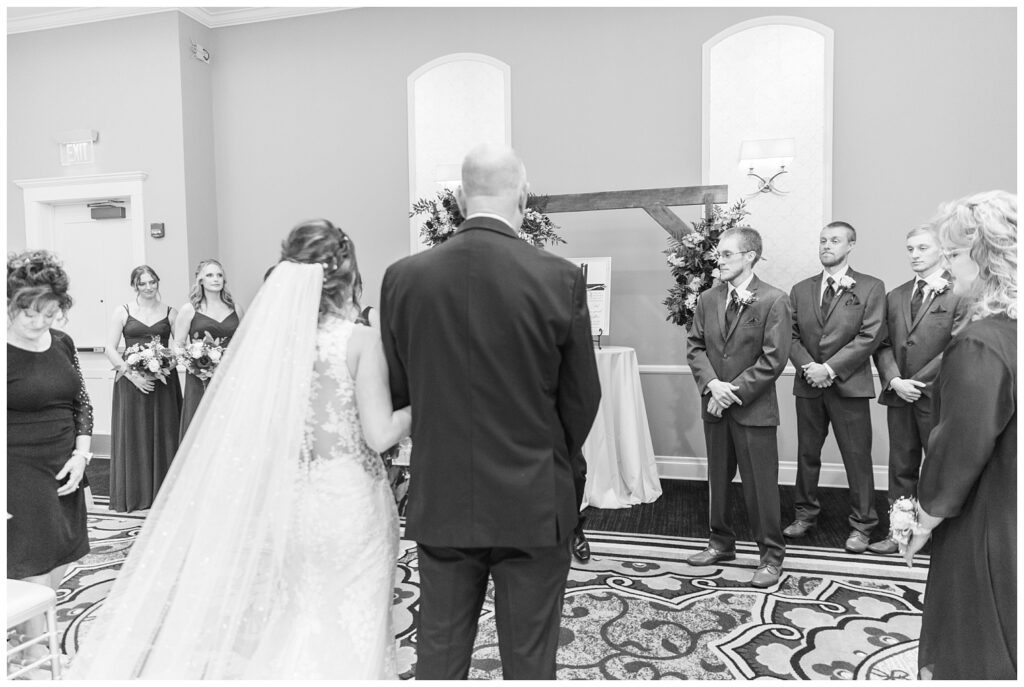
767 152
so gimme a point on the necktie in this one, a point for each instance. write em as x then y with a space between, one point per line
916 300
731 311
828 296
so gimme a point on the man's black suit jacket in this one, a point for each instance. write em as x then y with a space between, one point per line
751 355
489 339
913 349
844 337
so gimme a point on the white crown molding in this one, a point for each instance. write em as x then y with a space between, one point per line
51 182
234 16
71 16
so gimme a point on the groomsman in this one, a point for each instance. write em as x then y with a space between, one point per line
838 322
737 348
921 316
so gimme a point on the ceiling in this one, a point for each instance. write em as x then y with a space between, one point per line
23 19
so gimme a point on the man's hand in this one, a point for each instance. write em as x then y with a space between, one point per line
722 392
714 408
907 389
817 374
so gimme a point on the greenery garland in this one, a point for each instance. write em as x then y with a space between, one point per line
693 260
443 217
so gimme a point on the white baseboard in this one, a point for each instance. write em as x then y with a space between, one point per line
696 468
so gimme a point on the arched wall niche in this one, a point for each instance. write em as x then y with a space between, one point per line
455 102
771 78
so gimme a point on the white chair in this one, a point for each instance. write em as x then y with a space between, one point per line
26 600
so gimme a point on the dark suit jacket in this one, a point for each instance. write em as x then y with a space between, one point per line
913 350
489 339
751 355
844 339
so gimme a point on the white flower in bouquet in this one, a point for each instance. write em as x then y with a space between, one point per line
153 365
902 520
132 359
195 349
214 354
691 300
148 353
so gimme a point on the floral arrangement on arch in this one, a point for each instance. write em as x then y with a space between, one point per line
693 260
443 217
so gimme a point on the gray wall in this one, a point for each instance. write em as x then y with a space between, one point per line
309 118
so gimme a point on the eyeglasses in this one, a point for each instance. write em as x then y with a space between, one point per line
728 254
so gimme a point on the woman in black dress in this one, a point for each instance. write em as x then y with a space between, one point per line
968 487
210 310
146 412
49 429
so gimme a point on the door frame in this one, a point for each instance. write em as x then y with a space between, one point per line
41 195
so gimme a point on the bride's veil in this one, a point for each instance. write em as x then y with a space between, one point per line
199 583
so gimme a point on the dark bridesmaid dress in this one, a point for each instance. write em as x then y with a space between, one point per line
194 387
47 407
144 427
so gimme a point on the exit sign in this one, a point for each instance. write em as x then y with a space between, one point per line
76 153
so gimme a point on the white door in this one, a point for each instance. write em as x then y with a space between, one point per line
97 254
98 257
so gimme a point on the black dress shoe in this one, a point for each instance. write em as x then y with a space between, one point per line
798 528
710 556
580 546
766 576
885 547
857 542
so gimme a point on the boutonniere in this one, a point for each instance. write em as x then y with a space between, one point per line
743 297
847 282
942 288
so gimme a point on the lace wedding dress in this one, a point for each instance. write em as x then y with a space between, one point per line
270 552
334 617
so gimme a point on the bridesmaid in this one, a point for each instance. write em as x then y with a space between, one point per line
210 309
146 411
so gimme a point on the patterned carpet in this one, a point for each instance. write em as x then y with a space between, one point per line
636 611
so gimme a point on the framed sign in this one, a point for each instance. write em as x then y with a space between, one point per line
598 275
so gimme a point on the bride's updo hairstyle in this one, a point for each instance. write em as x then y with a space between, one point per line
319 241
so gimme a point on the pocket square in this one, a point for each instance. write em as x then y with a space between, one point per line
938 310
852 300
752 323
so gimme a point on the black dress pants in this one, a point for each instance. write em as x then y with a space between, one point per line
851 421
909 427
755 452
529 588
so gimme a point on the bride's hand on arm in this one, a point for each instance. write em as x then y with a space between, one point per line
383 426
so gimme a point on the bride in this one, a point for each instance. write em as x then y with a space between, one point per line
270 552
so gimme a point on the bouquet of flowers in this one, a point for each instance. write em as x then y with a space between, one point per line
443 217
902 520
150 360
693 261
201 356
